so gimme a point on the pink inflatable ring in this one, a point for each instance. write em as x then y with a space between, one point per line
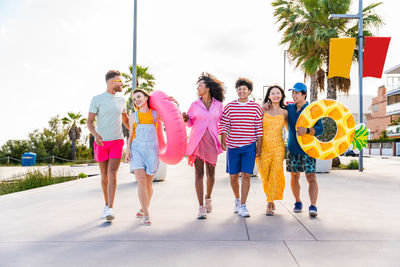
172 151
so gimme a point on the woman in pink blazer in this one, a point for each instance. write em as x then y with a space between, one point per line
203 146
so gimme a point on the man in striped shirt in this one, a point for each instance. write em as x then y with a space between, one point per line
241 131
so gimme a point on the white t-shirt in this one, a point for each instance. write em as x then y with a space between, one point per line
109 109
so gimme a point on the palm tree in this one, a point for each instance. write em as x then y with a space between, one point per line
307 31
144 80
74 131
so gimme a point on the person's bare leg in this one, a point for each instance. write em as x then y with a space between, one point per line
295 185
141 179
312 187
245 187
199 174
210 172
113 165
235 184
104 179
149 186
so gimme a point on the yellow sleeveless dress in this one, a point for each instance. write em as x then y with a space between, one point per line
270 161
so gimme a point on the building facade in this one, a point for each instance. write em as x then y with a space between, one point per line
385 108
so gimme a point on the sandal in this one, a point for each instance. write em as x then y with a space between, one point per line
270 210
140 214
147 221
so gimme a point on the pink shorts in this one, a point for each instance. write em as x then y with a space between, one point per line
109 150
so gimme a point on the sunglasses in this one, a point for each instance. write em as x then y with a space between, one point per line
117 81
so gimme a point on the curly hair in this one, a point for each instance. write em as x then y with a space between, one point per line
217 88
244 81
282 102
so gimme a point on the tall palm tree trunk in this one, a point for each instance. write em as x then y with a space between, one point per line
73 150
314 87
331 90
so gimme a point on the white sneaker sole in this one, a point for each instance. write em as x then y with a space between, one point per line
313 213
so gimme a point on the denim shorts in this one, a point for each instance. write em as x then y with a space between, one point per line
300 163
241 159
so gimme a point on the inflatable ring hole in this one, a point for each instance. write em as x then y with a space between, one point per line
330 130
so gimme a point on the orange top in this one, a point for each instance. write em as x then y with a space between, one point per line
144 118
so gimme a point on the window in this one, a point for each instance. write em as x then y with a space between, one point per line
376 108
393 99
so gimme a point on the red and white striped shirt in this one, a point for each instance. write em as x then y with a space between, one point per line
242 123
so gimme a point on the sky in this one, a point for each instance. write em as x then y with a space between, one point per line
54 54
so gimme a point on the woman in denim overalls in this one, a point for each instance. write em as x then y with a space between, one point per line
143 152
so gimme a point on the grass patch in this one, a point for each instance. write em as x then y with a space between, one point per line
33 180
353 165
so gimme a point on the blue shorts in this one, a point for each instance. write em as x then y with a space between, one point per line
241 159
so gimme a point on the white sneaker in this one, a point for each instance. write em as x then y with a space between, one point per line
202 213
237 205
243 211
103 215
110 214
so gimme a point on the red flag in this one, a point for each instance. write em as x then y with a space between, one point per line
375 50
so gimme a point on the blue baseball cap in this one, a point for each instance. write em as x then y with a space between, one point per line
298 87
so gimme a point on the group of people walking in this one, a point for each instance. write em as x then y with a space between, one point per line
249 132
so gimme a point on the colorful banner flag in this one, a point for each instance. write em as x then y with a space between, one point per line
341 52
375 50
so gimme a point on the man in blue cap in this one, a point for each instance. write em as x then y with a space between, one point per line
297 160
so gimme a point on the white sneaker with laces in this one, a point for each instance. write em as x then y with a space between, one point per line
202 213
237 205
104 214
110 214
243 211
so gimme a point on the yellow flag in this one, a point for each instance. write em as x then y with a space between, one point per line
341 56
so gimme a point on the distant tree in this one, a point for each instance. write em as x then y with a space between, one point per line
74 131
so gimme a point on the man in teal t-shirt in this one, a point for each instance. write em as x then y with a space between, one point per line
110 111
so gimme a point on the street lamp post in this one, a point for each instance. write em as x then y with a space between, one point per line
359 16
134 46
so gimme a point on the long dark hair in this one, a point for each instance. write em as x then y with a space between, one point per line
217 88
144 93
282 102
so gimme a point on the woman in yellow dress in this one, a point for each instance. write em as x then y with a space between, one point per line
270 161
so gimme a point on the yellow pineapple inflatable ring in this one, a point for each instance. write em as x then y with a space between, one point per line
344 134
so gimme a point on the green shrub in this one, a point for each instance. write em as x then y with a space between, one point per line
82 175
32 180
353 165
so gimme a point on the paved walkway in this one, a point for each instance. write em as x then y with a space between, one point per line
59 225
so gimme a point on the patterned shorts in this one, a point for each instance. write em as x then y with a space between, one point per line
300 163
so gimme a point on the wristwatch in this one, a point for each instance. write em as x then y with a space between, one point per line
308 130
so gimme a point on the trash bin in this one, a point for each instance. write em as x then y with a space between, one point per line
28 159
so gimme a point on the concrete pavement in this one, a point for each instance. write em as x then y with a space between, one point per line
358 223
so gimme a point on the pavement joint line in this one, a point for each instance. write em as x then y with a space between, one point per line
299 222
294 258
247 230
180 240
